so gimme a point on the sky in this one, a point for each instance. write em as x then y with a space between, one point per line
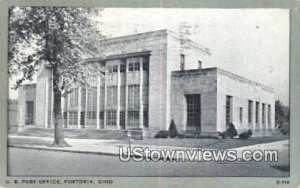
253 43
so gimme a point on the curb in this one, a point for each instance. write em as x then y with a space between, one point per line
64 150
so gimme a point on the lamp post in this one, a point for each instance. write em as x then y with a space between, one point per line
129 134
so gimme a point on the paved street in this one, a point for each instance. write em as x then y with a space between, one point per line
28 162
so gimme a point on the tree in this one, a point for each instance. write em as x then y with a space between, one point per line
172 129
59 38
279 112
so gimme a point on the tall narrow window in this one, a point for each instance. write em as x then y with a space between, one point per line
193 102
115 68
263 113
74 97
241 114
111 95
250 111
122 119
122 68
133 96
228 110
269 114
182 62
133 118
29 113
73 118
256 112
111 118
145 118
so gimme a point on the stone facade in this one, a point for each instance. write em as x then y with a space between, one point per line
146 81
213 85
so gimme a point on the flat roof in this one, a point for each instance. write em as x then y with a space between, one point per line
156 32
222 71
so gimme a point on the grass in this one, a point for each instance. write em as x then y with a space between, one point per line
210 142
75 133
121 138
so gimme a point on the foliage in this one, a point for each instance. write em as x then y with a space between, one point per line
230 132
281 112
162 134
58 38
245 135
173 130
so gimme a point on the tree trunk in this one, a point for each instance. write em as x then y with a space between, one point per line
57 111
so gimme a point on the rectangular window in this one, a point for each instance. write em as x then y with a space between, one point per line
241 114
130 66
263 113
29 112
109 68
228 110
101 115
134 66
269 114
256 112
182 62
112 95
250 111
65 115
193 111
145 119
73 118
122 119
133 96
74 97
137 66
82 118
133 118
111 118
115 68
122 68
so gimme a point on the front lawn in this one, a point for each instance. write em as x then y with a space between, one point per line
210 142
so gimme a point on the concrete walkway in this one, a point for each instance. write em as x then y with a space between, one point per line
111 147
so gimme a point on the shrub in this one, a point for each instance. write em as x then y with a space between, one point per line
180 135
162 134
173 130
230 132
245 135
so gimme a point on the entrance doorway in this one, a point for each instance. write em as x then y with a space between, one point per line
193 112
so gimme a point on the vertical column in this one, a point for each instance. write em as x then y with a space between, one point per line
86 106
68 110
126 93
105 96
118 96
46 102
141 94
79 108
98 103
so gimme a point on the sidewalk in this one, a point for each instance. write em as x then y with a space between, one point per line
111 147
